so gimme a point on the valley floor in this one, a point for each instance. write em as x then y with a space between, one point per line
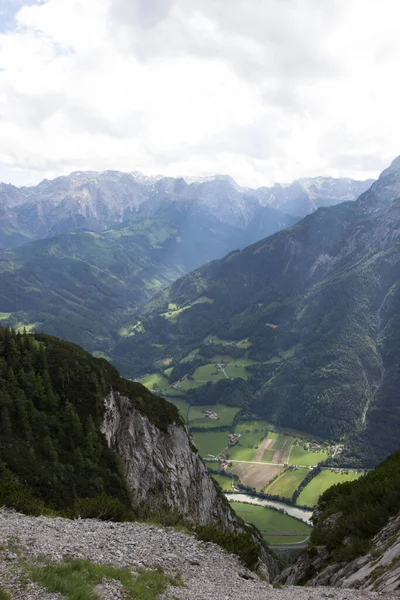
207 572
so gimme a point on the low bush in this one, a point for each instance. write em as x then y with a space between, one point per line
241 544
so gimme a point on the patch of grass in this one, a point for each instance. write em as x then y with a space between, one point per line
154 381
224 482
324 480
4 595
210 443
203 300
287 483
208 373
76 579
268 520
299 456
282 442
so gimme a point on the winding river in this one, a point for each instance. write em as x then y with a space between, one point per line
298 513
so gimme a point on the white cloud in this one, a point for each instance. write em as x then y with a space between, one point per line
264 90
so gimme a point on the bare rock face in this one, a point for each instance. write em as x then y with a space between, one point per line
163 469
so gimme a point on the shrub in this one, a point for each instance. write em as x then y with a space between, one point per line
241 544
14 495
102 507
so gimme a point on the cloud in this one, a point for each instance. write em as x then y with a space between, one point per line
264 90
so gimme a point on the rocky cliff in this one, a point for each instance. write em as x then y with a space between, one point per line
164 470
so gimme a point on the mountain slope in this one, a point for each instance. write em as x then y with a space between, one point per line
80 285
318 306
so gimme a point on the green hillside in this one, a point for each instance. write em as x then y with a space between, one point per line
360 509
51 409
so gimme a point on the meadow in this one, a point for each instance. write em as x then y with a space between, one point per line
270 521
299 456
287 483
324 480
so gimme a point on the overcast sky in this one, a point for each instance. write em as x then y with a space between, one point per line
263 90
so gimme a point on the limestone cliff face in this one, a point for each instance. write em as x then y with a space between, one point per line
379 570
162 468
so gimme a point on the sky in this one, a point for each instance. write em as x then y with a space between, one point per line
263 90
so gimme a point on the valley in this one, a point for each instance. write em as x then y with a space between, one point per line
279 467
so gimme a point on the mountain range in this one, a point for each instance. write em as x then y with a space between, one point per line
312 310
103 200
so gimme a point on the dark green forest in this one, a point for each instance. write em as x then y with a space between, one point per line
51 410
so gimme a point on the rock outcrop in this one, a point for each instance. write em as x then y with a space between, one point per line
164 470
379 570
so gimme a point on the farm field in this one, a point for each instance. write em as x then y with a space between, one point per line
287 483
255 475
155 381
210 443
270 521
324 480
299 456
226 414
224 482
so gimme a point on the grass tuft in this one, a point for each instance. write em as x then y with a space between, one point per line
76 579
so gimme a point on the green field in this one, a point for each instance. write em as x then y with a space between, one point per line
268 520
212 442
226 414
287 483
224 482
282 442
324 480
299 456
259 427
242 451
155 381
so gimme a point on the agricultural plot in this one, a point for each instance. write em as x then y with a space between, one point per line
324 480
287 483
224 482
270 521
255 475
154 381
198 418
210 443
299 456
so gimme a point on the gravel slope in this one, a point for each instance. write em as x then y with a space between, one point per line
208 572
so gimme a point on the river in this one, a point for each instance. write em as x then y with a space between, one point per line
298 513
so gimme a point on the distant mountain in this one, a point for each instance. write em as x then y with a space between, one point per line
313 314
304 196
103 200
